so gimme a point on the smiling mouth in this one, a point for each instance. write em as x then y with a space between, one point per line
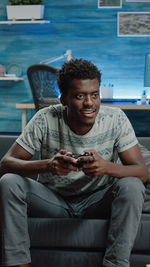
88 112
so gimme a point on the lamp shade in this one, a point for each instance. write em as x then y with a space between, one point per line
147 71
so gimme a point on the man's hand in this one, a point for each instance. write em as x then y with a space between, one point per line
95 164
61 164
132 165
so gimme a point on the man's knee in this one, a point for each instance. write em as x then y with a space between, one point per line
131 189
9 178
7 181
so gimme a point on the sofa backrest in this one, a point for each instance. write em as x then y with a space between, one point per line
145 141
6 142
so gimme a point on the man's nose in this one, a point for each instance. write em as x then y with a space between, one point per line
88 101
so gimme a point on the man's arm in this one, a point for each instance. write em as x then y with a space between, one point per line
132 160
17 160
133 164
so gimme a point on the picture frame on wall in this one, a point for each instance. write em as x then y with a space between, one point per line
133 24
138 1
109 3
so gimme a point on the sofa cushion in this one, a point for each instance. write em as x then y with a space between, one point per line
68 233
146 155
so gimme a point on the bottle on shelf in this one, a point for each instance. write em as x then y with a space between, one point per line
144 97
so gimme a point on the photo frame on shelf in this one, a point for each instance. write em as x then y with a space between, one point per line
133 24
109 3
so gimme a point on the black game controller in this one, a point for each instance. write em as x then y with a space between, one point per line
78 164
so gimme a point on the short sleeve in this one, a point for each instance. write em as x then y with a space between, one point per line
31 137
125 133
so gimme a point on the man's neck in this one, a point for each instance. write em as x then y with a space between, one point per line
79 128
76 127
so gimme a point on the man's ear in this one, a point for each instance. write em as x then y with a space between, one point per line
63 100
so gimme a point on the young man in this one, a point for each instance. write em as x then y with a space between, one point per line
63 189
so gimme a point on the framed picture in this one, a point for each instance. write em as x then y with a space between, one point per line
138 1
133 24
109 3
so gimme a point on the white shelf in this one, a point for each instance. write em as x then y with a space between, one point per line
24 21
16 79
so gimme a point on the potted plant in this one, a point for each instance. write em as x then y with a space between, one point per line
25 9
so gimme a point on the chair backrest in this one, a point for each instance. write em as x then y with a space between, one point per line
43 82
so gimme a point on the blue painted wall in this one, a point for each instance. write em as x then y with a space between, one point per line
90 32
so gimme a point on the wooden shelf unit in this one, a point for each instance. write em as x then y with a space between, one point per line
16 79
24 22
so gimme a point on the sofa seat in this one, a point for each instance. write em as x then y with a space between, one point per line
77 241
68 233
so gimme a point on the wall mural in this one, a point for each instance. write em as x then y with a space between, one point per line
89 29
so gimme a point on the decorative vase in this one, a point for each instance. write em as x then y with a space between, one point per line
107 91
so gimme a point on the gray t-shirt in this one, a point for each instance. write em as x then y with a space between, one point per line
48 132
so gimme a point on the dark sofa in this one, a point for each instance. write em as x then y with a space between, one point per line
78 242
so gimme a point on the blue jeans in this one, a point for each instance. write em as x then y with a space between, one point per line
20 197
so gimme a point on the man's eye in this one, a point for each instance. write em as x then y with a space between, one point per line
95 95
80 96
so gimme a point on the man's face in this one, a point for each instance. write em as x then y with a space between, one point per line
83 102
